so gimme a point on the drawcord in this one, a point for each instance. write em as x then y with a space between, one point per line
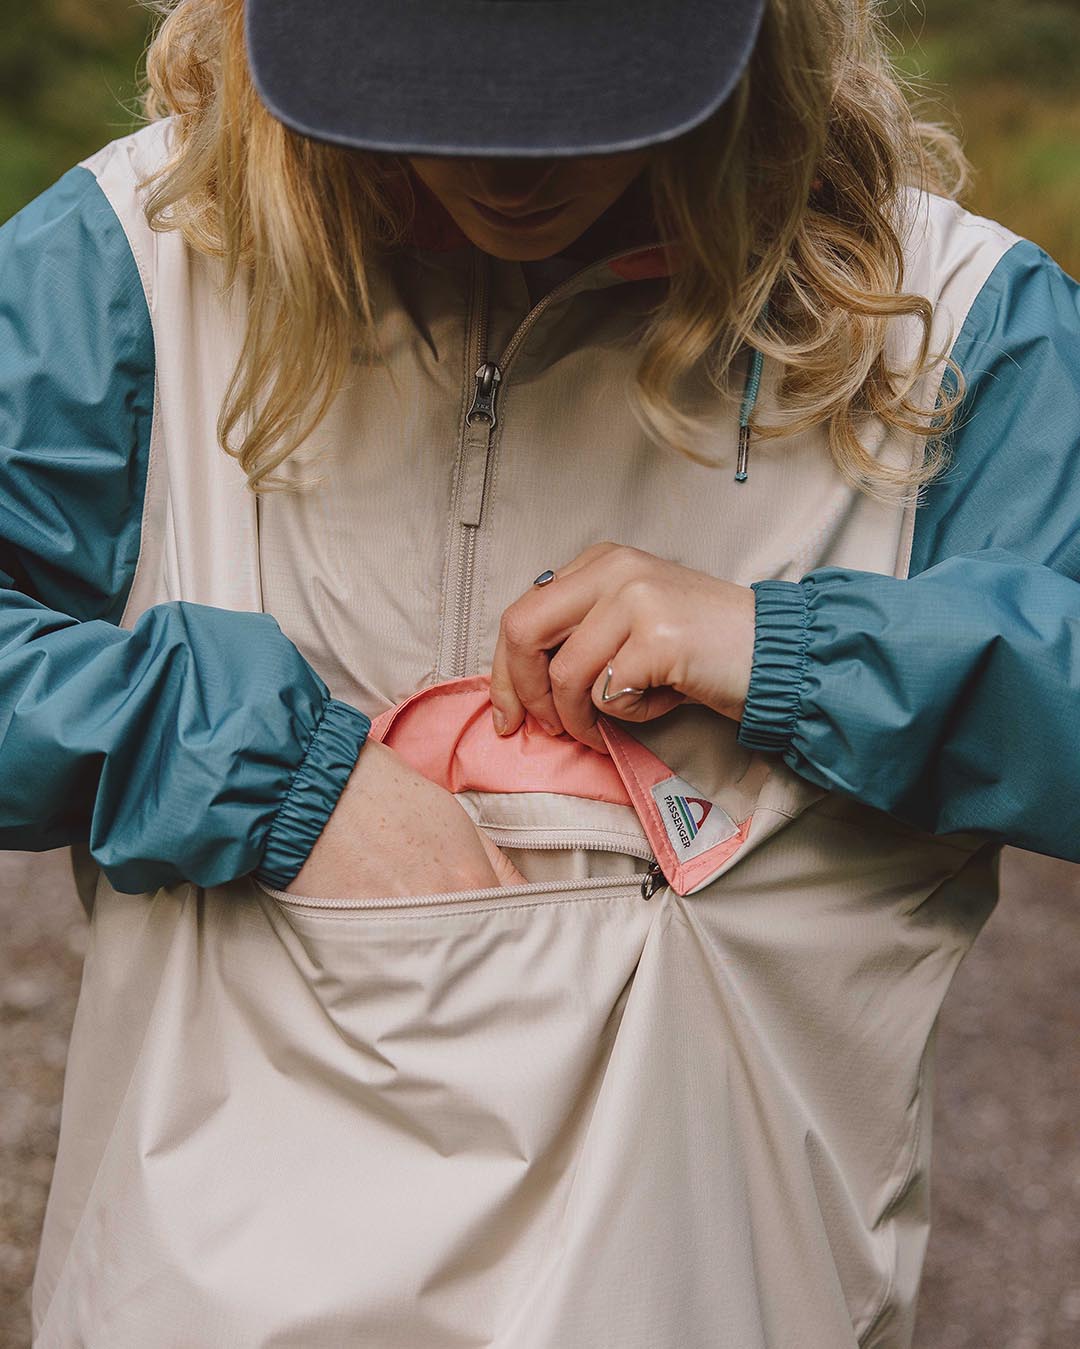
746 411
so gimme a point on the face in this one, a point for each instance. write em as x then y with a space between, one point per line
525 209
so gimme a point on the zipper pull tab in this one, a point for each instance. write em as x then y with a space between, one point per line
651 881
487 386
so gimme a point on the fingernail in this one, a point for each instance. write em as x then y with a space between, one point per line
551 730
499 721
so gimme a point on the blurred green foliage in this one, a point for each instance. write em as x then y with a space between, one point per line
68 84
1004 71
965 42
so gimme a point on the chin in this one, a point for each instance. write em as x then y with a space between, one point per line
520 250
524 247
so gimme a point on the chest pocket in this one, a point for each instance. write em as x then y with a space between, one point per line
684 806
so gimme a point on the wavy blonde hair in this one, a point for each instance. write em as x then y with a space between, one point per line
787 203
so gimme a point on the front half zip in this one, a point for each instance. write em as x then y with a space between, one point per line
488 378
470 481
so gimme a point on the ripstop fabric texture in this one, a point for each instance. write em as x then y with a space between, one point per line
462 1119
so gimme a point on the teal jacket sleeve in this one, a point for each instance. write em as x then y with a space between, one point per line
198 745
952 699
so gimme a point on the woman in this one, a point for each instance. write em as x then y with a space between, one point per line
482 962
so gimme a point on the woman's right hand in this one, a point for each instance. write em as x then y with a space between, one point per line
393 832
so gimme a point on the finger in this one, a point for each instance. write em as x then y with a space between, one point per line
574 668
593 553
619 561
531 628
507 710
525 673
633 668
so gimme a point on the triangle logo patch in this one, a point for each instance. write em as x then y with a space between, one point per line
693 823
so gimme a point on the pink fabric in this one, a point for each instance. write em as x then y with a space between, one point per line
641 770
445 732
646 264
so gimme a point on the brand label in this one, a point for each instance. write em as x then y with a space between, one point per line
694 824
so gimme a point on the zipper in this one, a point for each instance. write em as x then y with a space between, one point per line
472 472
487 379
597 840
652 880
489 376
452 898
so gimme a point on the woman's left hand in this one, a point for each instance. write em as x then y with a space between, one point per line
677 634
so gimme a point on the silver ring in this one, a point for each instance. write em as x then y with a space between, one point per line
545 578
606 697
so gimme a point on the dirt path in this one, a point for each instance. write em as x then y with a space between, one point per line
1003 1269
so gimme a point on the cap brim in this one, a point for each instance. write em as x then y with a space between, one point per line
498 77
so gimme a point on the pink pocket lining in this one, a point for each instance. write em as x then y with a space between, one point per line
448 736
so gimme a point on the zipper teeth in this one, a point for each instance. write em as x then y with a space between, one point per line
552 295
467 537
453 897
481 309
630 847
466 563
467 548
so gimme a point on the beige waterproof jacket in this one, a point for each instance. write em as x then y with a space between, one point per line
605 1109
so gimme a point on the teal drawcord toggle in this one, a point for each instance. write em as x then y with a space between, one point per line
746 411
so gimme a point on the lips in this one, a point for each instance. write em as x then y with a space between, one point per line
520 220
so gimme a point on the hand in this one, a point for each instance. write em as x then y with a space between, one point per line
679 634
393 832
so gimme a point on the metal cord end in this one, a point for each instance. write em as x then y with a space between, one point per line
744 454
751 389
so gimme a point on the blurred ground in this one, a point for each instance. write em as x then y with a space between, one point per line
1003 1270
42 939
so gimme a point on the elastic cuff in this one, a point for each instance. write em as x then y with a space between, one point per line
313 792
781 635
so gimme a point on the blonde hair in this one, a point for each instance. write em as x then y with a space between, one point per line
786 203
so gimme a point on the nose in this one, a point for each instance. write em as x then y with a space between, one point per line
511 184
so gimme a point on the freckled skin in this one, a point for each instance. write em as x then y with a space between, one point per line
424 842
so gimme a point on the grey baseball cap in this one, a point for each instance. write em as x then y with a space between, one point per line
498 77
